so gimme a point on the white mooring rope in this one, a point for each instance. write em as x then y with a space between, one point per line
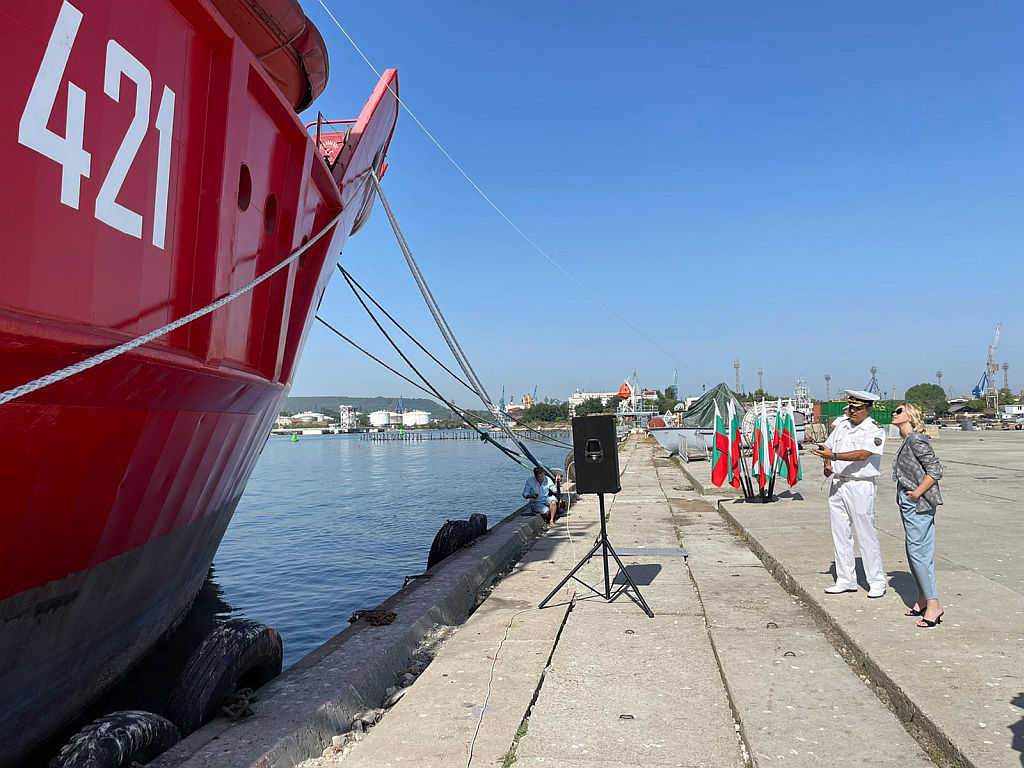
110 354
442 324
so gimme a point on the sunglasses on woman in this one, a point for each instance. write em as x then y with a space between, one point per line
898 411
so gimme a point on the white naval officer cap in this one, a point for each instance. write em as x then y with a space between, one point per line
860 397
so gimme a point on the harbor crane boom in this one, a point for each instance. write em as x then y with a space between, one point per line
992 372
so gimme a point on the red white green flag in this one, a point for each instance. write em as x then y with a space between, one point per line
788 452
780 422
735 445
762 466
757 454
721 469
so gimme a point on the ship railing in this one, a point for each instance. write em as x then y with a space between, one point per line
698 450
329 139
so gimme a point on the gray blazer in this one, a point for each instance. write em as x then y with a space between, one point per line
913 461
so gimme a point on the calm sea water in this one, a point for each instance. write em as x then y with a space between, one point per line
332 524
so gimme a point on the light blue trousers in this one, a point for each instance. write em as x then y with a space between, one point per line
920 536
539 507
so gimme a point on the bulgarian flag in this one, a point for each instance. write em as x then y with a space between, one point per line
721 468
788 453
735 446
771 440
757 455
780 422
762 466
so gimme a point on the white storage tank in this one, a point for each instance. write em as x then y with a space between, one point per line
380 419
416 418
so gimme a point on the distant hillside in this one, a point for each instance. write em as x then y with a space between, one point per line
363 404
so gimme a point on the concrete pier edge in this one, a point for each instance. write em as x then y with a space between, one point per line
700 487
293 722
918 725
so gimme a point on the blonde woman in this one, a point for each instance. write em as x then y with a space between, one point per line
917 472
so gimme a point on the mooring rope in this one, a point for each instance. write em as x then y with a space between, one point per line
541 437
128 346
455 409
445 328
353 282
433 389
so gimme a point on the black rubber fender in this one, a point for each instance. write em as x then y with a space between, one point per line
117 740
454 535
240 653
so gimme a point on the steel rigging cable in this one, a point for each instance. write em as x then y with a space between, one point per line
458 411
445 328
404 357
354 284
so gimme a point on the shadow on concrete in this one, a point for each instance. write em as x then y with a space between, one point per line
862 579
642 575
1017 729
905 585
790 495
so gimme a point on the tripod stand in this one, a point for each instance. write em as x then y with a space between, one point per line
605 545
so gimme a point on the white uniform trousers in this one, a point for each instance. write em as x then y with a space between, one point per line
854 500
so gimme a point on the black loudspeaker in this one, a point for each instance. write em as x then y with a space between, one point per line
596 454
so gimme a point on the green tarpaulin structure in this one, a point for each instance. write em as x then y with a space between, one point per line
702 413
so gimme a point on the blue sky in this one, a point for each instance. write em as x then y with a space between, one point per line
807 187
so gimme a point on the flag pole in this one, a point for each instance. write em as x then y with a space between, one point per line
748 486
763 448
775 462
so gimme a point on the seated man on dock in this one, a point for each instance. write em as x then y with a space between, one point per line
542 494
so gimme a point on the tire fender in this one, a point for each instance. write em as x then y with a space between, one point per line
117 740
239 653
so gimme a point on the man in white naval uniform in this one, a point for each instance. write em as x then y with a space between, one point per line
853 457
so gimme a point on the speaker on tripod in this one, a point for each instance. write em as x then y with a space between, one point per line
596 456
596 453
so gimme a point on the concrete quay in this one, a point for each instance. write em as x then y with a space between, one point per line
958 687
733 670
746 662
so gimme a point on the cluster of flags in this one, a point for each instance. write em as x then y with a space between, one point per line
774 446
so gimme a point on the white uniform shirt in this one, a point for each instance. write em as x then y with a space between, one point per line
866 436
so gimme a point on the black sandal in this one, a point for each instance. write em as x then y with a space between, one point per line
913 612
926 624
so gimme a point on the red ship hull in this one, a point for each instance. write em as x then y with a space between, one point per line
153 167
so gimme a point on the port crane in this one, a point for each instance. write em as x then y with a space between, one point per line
528 399
987 384
872 385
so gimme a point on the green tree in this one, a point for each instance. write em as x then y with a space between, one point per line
589 406
666 402
928 396
670 392
545 412
976 406
1006 396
